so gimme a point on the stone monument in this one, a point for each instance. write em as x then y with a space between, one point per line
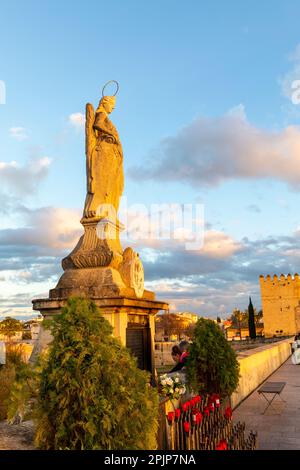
98 268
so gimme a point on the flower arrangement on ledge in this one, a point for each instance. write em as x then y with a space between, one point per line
172 387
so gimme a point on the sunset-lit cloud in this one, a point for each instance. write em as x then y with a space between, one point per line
210 151
23 179
47 230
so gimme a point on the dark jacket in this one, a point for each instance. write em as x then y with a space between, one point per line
179 365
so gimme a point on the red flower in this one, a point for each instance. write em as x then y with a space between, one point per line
177 413
192 402
228 413
217 402
186 426
206 410
222 445
186 405
195 400
171 416
211 407
198 399
194 414
199 417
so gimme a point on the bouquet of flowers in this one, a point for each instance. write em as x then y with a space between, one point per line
172 387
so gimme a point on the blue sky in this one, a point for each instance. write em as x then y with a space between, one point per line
212 73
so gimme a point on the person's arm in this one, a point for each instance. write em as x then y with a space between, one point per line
178 366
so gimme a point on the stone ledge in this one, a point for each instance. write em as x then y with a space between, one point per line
257 366
56 304
263 347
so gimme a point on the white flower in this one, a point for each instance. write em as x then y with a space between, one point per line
177 380
169 381
163 382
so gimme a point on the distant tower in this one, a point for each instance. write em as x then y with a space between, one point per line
280 304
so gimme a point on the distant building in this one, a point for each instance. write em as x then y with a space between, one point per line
190 317
179 322
234 333
280 304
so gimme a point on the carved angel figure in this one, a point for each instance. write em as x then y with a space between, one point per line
104 161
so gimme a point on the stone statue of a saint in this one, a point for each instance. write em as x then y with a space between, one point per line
98 255
104 159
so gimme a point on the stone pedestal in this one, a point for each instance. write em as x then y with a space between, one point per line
132 319
98 269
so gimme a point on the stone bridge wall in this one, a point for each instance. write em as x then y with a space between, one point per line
257 365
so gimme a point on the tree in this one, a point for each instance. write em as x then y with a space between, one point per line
258 317
251 320
92 394
238 318
212 364
189 331
172 324
9 326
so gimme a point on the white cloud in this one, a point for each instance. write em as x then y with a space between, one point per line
287 81
18 133
21 180
56 228
50 229
219 245
77 120
209 151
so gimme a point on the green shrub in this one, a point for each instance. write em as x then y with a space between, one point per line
7 378
15 354
23 393
9 374
212 364
92 395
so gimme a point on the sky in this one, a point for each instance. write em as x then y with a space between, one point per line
206 114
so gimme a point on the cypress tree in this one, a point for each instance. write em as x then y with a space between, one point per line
251 321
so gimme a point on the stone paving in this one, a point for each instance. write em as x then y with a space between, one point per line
279 427
16 436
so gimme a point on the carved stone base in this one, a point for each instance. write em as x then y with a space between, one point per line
94 283
99 245
119 273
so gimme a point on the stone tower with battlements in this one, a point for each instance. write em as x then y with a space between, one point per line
280 304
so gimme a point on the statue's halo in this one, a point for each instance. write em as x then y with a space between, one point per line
107 83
